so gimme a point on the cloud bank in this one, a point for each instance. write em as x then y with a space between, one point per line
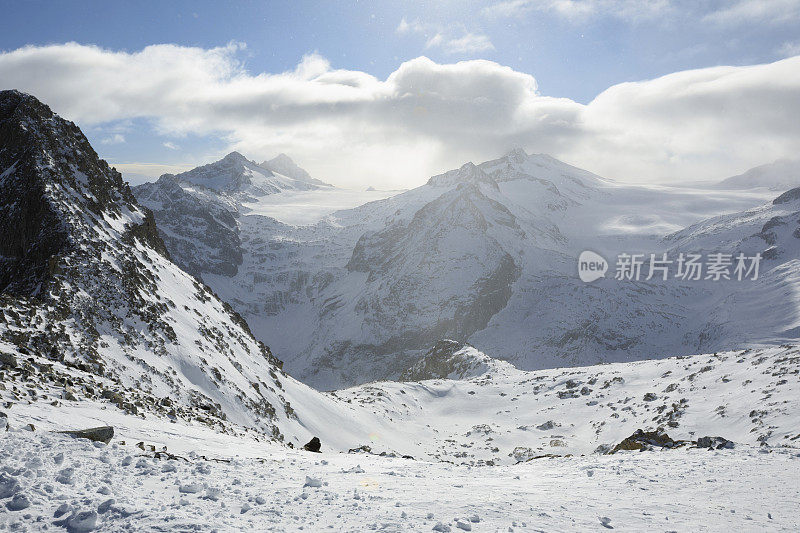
352 128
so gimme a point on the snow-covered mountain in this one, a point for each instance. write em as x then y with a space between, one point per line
484 254
779 176
237 176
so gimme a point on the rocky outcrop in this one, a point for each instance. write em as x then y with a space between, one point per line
642 440
87 283
449 359
99 434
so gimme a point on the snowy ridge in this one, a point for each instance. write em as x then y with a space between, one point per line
238 176
283 164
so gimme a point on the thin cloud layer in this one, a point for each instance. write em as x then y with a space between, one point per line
354 129
453 39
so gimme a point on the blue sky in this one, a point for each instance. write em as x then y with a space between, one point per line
574 49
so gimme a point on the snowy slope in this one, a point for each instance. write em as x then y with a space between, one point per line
66 482
502 449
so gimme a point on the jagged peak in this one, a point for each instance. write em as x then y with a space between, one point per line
283 164
467 173
517 154
11 99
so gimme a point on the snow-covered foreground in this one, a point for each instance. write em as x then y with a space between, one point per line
498 449
51 482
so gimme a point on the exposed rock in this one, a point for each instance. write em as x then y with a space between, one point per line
8 360
647 440
452 360
8 485
361 449
98 434
717 443
18 503
313 445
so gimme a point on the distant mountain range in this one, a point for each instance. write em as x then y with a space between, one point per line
484 254
781 175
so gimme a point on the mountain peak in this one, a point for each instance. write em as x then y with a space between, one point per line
468 173
235 157
283 158
449 359
516 154
283 164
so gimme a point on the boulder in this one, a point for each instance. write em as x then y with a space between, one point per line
647 440
714 443
313 445
99 434
7 359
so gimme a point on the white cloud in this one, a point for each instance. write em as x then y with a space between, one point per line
452 39
722 13
170 145
468 44
117 138
789 49
750 11
352 128
633 10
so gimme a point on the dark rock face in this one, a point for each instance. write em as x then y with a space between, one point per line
30 229
99 434
200 232
8 360
438 363
45 164
314 445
